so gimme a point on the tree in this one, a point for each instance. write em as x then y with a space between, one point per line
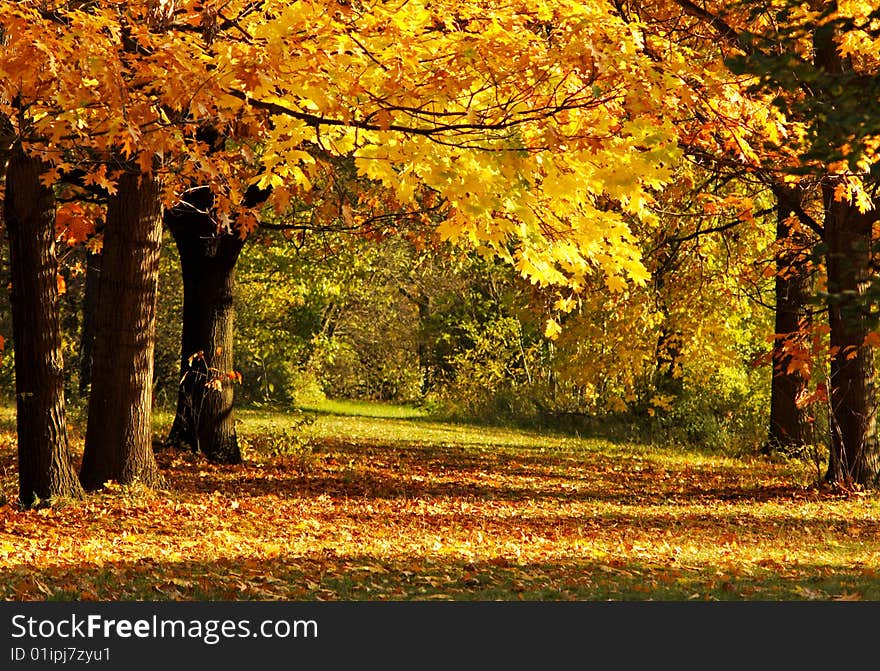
855 452
205 417
811 66
526 135
789 424
45 464
89 310
825 91
118 444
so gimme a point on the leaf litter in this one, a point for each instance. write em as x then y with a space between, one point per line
393 519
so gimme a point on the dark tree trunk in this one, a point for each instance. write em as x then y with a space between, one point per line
45 468
667 377
789 428
855 453
89 310
205 418
423 351
118 435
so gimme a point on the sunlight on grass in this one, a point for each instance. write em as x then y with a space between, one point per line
364 409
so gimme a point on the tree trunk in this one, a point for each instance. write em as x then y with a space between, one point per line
422 301
87 332
205 405
118 435
855 453
789 428
667 377
423 350
45 467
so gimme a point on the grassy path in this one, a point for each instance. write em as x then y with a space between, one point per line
381 503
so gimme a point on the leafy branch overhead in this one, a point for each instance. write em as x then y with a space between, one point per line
529 133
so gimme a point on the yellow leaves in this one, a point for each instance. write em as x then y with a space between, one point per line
850 188
860 40
95 244
616 404
284 174
565 304
552 329
270 180
615 283
377 161
663 402
544 149
862 200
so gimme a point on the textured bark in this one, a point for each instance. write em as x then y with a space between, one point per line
45 464
789 428
855 453
118 435
205 418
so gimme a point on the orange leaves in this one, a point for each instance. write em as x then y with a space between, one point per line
807 398
98 177
742 207
246 223
49 177
872 339
487 513
75 223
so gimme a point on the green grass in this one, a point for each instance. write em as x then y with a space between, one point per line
350 408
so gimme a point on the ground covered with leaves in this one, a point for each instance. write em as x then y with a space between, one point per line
394 506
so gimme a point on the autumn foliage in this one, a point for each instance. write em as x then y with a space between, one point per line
658 179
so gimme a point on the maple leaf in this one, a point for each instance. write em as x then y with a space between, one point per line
74 223
95 243
98 177
552 329
50 177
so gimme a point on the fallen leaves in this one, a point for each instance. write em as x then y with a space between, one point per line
388 519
